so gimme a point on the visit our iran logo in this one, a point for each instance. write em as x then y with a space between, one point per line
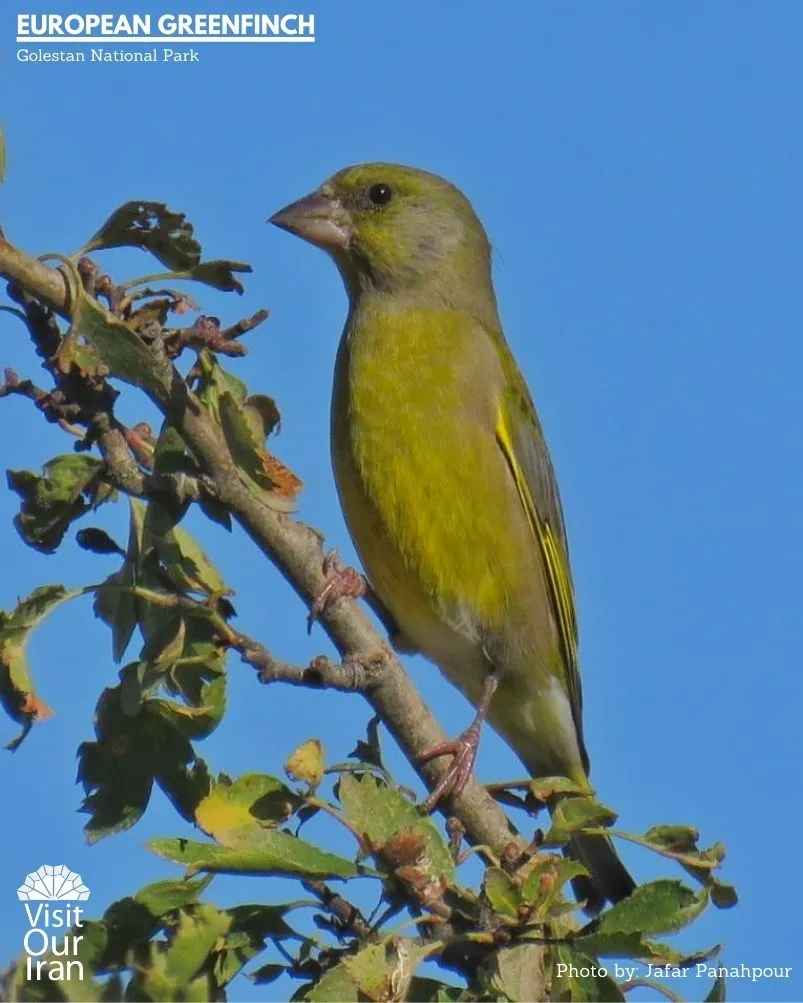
49 954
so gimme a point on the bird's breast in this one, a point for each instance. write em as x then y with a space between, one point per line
423 485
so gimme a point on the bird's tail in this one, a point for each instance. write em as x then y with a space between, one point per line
550 752
609 879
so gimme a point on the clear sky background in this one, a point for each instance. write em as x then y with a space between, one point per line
638 167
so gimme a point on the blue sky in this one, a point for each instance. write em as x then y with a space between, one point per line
638 169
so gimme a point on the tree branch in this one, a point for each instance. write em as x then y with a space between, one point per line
347 917
296 550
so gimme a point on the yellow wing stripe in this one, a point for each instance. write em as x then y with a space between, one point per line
557 575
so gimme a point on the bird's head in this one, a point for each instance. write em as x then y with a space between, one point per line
390 227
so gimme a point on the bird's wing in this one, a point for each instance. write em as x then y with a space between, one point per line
521 439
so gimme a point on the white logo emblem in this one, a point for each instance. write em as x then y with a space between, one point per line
53 883
53 943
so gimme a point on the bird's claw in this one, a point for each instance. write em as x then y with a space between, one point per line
463 751
340 581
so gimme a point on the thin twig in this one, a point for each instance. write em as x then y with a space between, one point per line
348 916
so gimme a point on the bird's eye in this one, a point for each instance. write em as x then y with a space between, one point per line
380 194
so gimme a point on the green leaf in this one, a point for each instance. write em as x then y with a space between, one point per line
376 972
161 651
75 352
251 927
673 837
197 991
588 984
216 511
196 721
131 921
547 788
171 455
423 990
370 970
271 852
262 471
335 986
263 415
115 605
723 896
235 813
167 235
53 501
219 274
380 812
679 842
119 768
186 781
17 693
90 948
658 987
369 751
717 992
512 972
187 563
662 955
502 893
174 967
97 541
164 647
657 907
632 945
674 842
575 814
199 679
215 381
612 945
266 974
225 396
123 353
162 897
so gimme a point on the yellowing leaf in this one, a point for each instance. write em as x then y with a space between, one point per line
16 689
245 422
306 764
235 813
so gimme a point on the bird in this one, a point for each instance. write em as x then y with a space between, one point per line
444 475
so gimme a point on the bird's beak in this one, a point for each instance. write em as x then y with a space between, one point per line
319 218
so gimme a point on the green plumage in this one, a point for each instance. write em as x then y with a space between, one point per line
441 466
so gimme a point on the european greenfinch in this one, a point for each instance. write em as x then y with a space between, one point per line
444 475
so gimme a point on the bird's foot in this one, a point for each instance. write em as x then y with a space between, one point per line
463 751
340 581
